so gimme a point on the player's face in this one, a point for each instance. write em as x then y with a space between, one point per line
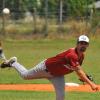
82 46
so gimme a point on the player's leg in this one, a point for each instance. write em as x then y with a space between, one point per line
59 85
34 73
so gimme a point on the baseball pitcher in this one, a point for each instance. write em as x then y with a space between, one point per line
56 67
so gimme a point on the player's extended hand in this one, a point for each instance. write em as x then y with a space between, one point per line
94 87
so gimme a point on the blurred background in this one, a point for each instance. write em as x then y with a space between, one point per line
48 18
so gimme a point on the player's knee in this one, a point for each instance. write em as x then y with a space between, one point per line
27 76
24 75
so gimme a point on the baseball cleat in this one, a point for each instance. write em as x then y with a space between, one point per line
8 63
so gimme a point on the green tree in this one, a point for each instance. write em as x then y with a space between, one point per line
78 7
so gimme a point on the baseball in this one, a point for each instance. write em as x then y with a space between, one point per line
6 11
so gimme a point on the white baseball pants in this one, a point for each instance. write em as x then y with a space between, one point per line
38 72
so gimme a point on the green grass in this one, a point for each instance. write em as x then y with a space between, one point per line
23 95
33 95
29 53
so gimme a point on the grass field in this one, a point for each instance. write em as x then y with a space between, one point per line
29 53
19 95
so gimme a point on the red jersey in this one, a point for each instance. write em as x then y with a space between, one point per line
64 63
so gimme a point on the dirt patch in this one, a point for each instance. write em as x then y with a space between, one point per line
44 87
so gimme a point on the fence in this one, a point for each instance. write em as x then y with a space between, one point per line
47 23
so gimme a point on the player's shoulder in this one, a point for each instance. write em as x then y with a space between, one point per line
71 50
72 53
